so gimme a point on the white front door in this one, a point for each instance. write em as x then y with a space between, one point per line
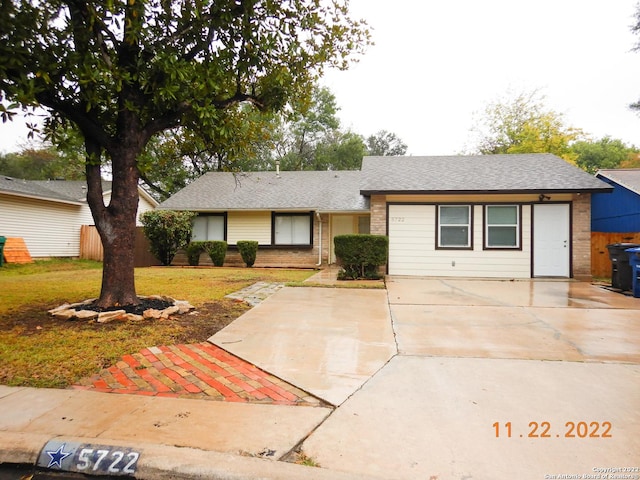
551 240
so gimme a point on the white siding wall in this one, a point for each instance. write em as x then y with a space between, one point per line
249 226
143 206
85 217
48 229
412 247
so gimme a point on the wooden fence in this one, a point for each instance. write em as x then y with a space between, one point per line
90 244
600 261
91 247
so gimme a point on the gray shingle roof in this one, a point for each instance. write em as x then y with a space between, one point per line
627 177
517 173
325 191
65 191
71 188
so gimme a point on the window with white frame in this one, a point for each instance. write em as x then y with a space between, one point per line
292 228
208 227
502 226
454 226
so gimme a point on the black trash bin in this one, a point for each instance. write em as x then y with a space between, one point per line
621 274
3 240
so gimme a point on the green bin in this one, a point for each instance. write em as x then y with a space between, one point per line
2 242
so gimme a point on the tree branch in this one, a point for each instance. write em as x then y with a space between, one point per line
89 127
94 181
167 121
239 97
154 187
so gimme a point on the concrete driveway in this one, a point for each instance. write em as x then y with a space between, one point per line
523 320
459 379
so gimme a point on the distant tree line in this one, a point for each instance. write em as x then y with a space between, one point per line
523 124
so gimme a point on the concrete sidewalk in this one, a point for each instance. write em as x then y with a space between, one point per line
176 438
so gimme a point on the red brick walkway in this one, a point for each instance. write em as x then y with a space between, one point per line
200 370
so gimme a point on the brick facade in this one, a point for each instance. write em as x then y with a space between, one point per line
378 207
581 236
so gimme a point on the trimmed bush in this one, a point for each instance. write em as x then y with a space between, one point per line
248 250
217 250
194 249
167 231
361 255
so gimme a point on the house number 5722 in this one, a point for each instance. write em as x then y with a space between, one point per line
397 219
107 460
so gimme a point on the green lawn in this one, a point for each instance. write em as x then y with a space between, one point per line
38 350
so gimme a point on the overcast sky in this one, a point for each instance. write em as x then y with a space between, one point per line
437 63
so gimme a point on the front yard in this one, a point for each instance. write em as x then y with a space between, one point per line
39 351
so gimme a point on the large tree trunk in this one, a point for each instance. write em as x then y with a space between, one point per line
116 224
118 284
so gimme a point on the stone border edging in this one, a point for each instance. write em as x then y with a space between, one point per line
74 311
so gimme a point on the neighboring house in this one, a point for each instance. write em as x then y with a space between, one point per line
501 216
618 212
48 214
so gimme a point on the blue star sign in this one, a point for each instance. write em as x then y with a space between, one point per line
57 456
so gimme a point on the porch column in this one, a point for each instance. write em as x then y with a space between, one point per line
582 237
378 222
378 208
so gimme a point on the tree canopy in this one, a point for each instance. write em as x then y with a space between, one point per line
122 71
592 156
523 124
174 158
41 164
307 135
384 144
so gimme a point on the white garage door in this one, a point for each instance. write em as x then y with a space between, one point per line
411 236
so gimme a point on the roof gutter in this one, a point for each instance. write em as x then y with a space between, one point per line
485 192
38 197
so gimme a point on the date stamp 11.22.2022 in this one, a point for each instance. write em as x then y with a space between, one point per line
569 429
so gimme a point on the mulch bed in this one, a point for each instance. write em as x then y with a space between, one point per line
145 304
199 325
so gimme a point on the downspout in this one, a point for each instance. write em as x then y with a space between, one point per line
319 239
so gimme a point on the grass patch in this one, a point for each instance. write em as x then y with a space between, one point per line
303 459
300 458
40 351
601 280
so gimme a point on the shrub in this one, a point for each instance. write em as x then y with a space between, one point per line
217 250
248 251
194 249
167 231
361 255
